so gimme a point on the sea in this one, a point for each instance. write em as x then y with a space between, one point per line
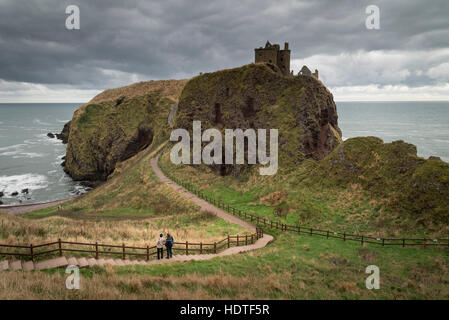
29 159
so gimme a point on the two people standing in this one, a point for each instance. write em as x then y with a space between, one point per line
168 242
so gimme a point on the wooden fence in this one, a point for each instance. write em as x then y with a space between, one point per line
267 223
59 247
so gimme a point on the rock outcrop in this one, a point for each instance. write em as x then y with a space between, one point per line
117 124
390 171
259 96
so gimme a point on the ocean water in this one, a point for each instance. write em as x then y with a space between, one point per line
31 160
424 124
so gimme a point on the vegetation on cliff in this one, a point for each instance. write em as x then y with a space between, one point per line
363 186
116 125
257 96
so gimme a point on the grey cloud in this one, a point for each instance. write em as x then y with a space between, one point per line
174 39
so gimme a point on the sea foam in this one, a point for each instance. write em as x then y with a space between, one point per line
31 181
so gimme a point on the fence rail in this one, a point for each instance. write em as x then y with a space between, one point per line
267 223
124 251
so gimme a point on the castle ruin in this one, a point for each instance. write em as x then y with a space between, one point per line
281 58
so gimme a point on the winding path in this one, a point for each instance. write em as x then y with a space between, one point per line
206 206
89 262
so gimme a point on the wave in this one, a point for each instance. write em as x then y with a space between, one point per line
39 122
17 151
28 155
30 181
15 146
62 121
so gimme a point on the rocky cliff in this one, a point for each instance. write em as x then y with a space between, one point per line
117 124
391 171
258 96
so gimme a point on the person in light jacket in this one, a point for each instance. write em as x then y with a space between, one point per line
160 246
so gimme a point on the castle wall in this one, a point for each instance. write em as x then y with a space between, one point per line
266 55
283 61
273 54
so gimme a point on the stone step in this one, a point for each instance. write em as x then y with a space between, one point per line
82 262
119 262
92 262
4 265
101 262
110 262
72 261
15 265
52 263
28 266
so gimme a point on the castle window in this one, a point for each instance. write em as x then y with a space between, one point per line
269 61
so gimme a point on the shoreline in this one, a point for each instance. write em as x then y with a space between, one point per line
24 208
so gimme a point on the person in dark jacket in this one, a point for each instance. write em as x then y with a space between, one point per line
169 242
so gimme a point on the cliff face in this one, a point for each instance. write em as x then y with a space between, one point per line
258 96
117 124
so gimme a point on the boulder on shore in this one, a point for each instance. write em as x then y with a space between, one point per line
50 135
25 191
15 193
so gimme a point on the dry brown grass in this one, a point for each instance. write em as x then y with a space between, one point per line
192 227
106 284
168 87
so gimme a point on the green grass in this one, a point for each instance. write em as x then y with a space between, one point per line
293 267
303 197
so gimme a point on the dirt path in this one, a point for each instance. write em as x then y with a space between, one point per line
206 206
83 262
24 208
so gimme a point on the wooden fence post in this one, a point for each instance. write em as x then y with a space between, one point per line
60 247
246 239
311 231
383 242
123 250
362 240
148 253
31 252
403 242
215 247
252 238
344 236
201 248
327 234
96 250
237 240
187 247
229 241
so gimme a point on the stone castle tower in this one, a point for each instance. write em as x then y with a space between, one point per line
272 54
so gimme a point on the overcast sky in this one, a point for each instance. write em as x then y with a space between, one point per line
125 41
